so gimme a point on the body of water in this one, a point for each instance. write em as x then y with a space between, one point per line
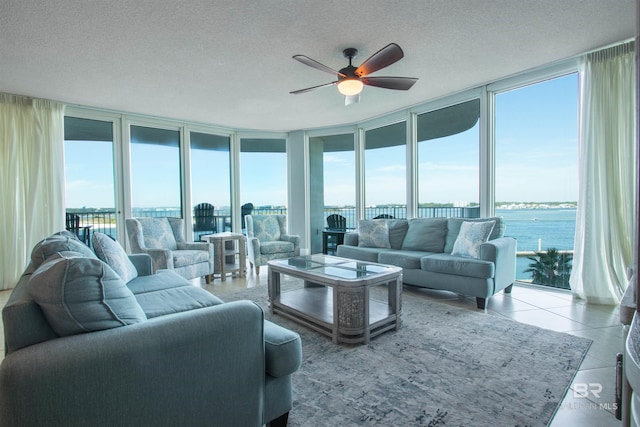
539 229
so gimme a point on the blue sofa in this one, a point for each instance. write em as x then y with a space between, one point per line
93 342
432 256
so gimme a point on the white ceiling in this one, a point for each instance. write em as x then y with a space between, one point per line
229 62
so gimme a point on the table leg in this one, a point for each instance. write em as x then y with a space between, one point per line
273 287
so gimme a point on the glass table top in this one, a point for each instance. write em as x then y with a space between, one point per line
333 266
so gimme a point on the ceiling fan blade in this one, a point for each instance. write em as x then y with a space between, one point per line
318 66
296 92
382 58
351 99
396 83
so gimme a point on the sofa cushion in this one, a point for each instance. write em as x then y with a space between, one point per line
425 234
110 251
403 259
175 300
58 242
167 292
163 279
454 224
397 231
276 247
79 294
373 233
282 350
188 257
471 236
362 254
449 264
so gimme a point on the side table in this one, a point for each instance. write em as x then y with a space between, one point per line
331 238
229 254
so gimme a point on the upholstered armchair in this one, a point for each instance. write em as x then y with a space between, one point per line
268 239
163 239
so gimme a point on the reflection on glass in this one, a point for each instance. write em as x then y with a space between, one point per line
344 273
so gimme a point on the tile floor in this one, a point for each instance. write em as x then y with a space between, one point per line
546 308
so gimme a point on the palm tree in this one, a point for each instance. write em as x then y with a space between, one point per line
551 268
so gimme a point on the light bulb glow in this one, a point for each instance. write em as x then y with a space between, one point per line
350 87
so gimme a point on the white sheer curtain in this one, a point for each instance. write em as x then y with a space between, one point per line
607 150
31 179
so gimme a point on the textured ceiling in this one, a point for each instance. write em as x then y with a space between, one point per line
229 63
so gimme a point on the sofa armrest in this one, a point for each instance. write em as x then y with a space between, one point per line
161 259
293 239
351 238
195 246
142 263
144 374
502 252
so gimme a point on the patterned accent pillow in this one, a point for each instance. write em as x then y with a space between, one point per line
111 252
373 233
471 236
79 294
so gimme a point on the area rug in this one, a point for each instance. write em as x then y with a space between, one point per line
446 366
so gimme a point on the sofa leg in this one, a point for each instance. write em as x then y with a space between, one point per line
508 289
281 421
257 270
481 302
207 278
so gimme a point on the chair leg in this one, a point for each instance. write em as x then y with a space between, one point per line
281 421
257 270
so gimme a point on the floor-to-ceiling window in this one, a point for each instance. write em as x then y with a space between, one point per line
448 161
385 161
333 188
210 183
536 175
89 177
263 175
156 184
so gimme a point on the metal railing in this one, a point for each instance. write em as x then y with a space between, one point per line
104 220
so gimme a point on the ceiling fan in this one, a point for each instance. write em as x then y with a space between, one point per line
351 80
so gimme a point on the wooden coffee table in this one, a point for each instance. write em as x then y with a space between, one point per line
333 296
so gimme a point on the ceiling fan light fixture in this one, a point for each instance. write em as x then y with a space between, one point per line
350 86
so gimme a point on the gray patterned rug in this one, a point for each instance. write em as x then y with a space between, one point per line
446 366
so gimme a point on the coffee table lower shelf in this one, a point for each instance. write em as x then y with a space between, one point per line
313 307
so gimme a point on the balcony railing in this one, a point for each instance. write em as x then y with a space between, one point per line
104 220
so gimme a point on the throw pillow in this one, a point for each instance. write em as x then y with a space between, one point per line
78 294
471 236
110 251
425 234
397 231
58 242
454 224
373 233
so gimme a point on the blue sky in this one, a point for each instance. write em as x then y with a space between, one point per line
536 160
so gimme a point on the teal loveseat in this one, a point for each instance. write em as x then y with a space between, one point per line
433 253
91 343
